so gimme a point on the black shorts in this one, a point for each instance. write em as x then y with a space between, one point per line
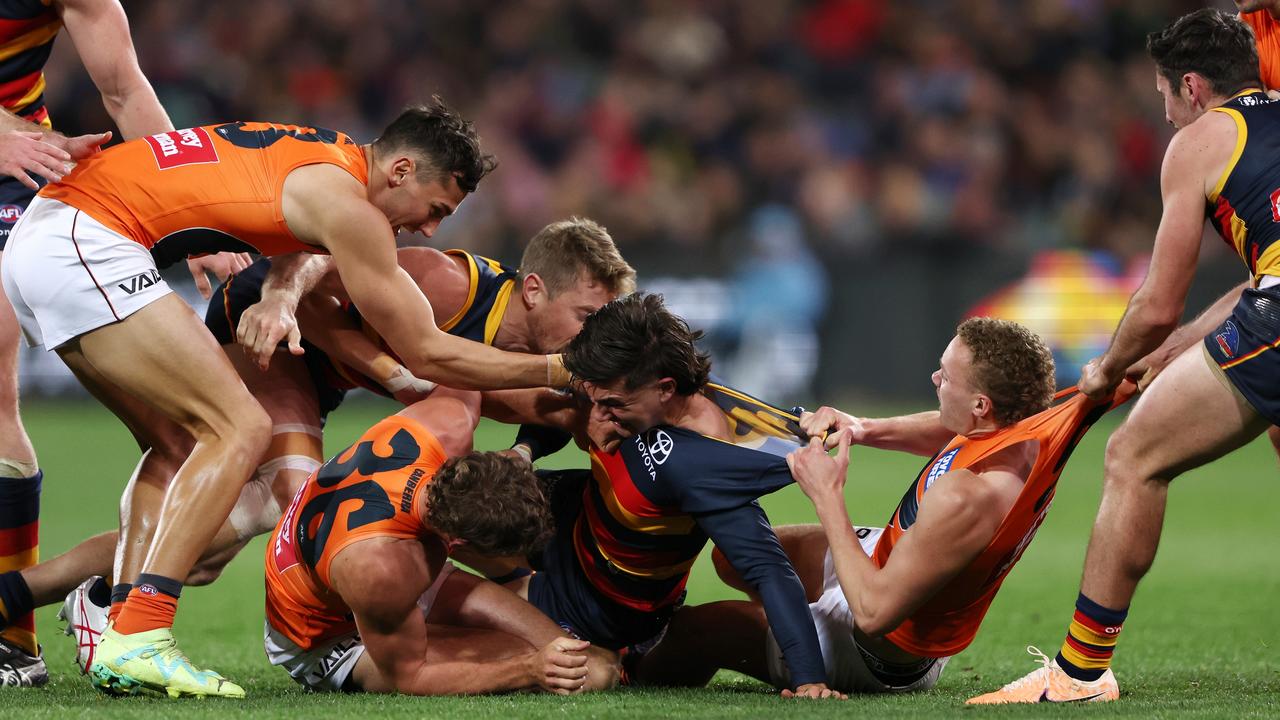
1245 348
229 302
14 199
561 590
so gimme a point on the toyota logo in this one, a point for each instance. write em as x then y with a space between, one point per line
660 447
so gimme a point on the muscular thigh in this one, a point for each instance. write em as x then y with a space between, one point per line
1186 418
284 389
805 546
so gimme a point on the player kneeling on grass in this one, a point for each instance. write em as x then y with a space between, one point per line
892 604
361 596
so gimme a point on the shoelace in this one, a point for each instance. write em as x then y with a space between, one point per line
1041 658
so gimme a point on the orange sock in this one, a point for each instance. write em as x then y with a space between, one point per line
146 608
114 612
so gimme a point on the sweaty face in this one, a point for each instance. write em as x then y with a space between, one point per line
957 396
632 411
419 205
553 322
1179 110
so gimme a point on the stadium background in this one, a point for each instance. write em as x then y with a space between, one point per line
825 187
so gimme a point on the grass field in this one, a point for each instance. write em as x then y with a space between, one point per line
1201 639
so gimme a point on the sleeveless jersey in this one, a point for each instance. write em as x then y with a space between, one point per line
489 291
1245 205
27 31
368 490
948 621
1266 33
204 189
636 538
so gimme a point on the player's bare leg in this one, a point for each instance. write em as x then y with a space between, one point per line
19 510
1186 418
448 644
163 356
1273 434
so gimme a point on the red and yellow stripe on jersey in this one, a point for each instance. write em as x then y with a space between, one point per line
948 621
27 32
369 490
1244 206
204 189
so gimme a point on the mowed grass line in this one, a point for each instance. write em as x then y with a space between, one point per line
1201 640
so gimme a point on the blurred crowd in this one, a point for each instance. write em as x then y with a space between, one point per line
1013 123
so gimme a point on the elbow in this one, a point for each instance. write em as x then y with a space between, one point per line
874 624
1161 315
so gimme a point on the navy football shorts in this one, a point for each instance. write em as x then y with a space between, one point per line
1245 348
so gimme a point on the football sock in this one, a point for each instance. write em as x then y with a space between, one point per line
19 549
151 605
119 592
15 601
1091 639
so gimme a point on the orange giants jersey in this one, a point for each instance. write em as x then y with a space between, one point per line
1266 32
368 490
27 32
948 621
1244 206
204 189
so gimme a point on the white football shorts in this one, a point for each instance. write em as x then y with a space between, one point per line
67 274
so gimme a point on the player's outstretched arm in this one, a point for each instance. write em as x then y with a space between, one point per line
1192 165
325 205
918 434
100 31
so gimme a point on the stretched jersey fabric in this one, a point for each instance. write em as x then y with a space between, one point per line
205 189
655 501
27 31
368 490
1266 33
1245 205
947 623
489 291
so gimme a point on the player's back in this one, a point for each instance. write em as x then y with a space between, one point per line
1245 204
369 490
204 189
947 622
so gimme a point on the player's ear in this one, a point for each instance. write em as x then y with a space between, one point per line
400 170
533 290
666 388
982 406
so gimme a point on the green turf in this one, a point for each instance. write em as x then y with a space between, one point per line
1201 639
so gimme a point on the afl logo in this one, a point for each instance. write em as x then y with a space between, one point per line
660 445
10 213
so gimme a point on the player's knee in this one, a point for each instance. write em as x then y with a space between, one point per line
603 669
724 569
258 509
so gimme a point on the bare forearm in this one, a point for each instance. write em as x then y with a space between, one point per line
1191 333
919 434
468 365
1142 329
137 112
324 324
854 569
294 275
497 608
470 678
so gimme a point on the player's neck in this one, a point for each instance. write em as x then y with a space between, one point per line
513 333
698 413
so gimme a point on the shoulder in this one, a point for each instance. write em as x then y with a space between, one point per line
974 498
442 277
1209 140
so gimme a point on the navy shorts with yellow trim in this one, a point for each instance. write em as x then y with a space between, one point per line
229 302
1245 347
561 590
14 199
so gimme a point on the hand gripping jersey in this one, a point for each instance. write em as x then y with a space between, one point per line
27 31
368 490
1245 205
653 504
947 623
205 189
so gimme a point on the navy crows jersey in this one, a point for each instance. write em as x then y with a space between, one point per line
655 502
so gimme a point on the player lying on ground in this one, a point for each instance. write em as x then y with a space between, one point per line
892 604
81 271
1221 386
569 269
359 584
676 460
